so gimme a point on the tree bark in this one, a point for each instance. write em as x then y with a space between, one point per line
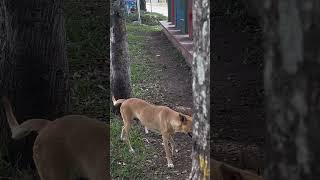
143 6
33 67
201 90
292 84
120 62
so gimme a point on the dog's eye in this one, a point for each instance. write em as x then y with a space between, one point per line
182 118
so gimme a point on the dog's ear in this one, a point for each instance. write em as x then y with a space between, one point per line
229 173
182 118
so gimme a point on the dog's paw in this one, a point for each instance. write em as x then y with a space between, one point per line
146 130
174 151
131 150
170 165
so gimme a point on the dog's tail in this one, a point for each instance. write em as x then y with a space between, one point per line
22 130
117 102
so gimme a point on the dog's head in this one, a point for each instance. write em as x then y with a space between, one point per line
185 123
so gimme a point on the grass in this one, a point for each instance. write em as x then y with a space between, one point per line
5 167
141 68
86 37
124 163
9 171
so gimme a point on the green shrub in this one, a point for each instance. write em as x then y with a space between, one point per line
147 18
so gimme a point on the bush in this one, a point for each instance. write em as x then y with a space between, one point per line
147 18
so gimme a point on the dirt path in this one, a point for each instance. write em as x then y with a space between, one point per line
173 88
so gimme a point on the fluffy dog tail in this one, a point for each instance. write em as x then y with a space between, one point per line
22 130
117 102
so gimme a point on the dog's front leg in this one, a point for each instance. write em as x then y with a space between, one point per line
172 145
165 138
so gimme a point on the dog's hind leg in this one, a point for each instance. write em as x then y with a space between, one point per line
126 129
127 121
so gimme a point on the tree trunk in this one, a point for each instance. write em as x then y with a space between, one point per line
120 62
143 6
33 66
292 83
201 90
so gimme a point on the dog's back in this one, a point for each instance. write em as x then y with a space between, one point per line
135 102
135 107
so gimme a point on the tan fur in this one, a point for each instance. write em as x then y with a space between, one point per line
156 118
223 171
68 148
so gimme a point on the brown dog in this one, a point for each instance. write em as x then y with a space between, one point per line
70 147
222 171
156 118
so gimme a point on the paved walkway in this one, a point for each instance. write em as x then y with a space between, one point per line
161 8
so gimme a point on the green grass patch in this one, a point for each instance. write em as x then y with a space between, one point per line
8 171
86 42
123 163
141 29
141 68
89 97
5 167
86 31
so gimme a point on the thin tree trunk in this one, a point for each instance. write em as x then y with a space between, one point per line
201 90
33 67
143 6
120 62
292 83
